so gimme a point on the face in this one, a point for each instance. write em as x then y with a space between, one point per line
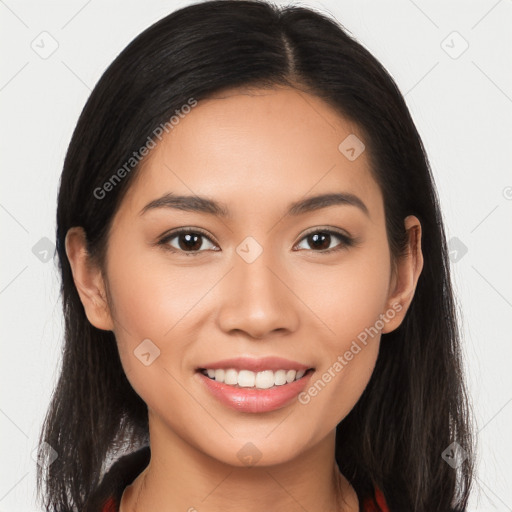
312 286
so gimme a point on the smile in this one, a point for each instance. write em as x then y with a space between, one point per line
254 385
265 379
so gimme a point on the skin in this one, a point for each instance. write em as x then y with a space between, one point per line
256 151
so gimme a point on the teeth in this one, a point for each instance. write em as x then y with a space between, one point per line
280 377
246 379
231 377
259 380
265 379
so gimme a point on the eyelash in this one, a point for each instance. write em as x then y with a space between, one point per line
346 241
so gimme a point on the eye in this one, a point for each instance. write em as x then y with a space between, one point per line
322 239
188 241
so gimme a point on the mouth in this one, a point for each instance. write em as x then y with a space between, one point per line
255 385
265 379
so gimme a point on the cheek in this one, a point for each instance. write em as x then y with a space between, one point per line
152 300
348 297
350 305
335 389
151 296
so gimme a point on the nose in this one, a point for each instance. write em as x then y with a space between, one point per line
257 299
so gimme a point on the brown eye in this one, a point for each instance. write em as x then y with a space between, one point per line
189 241
192 242
321 240
186 241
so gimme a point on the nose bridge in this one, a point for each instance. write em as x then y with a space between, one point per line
255 298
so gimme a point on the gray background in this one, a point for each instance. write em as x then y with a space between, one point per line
460 99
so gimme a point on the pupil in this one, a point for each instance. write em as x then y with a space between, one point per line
316 237
188 245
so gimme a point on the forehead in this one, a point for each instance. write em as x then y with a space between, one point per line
256 148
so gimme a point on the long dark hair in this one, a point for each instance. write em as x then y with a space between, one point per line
415 404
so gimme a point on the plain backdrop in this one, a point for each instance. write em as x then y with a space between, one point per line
452 61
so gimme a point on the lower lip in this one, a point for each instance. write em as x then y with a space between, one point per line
252 399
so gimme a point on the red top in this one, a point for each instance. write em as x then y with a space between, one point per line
368 504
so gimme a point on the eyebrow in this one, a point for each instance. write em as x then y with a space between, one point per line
209 206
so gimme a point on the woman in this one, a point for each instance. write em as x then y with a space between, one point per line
255 281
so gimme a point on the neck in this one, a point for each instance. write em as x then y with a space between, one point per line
182 477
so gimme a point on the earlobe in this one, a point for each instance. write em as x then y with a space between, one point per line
88 280
406 274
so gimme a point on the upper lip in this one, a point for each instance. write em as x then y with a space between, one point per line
255 364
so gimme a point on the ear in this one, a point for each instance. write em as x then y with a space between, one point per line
405 275
88 280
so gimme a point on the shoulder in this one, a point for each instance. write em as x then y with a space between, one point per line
110 506
376 504
122 473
